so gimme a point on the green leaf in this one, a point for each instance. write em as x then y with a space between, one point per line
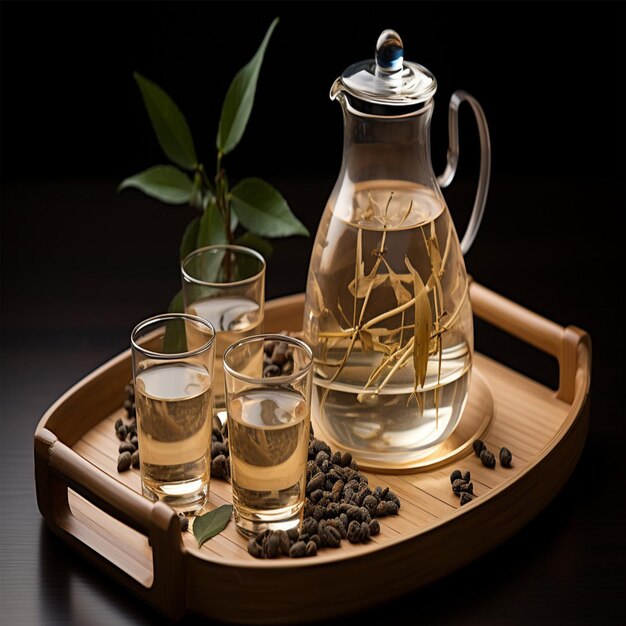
175 339
163 182
211 523
212 230
240 98
189 241
262 209
177 305
250 240
169 123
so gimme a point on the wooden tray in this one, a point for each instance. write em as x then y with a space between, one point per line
101 513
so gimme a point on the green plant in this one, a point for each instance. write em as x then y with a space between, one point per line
252 205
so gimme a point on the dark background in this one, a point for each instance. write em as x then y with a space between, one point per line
82 264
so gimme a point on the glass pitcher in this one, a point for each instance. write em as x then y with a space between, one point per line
387 310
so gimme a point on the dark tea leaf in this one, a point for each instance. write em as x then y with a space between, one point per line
189 241
260 244
240 98
163 182
175 338
169 123
212 229
211 523
263 210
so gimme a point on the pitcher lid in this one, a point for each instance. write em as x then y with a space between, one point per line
387 79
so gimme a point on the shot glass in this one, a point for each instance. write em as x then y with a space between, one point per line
225 284
268 433
173 360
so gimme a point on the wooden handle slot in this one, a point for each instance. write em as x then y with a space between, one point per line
561 343
86 523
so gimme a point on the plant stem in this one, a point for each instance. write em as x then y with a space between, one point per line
205 179
223 206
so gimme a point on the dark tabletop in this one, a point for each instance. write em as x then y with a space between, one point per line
82 264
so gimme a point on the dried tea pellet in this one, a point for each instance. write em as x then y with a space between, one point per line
370 503
338 488
456 475
271 371
354 532
330 537
487 458
293 533
118 423
297 550
374 527
505 457
134 459
272 546
309 526
332 510
478 446
316 496
318 513
457 484
381 509
220 467
467 476
126 446
392 497
121 432
311 548
219 447
321 456
184 522
283 542
123 462
255 549
364 533
392 508
465 498
346 459
317 482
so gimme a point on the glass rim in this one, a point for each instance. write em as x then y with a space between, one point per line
425 106
223 246
164 317
273 380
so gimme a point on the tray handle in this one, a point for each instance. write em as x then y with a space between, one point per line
58 468
565 344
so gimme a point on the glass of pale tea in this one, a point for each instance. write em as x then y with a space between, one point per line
173 361
268 431
225 284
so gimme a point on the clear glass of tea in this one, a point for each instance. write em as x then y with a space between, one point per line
268 431
173 361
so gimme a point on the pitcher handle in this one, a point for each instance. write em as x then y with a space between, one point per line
453 159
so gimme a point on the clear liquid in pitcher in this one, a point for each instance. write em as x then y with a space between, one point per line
389 319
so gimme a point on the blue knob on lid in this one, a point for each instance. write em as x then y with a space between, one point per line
389 53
